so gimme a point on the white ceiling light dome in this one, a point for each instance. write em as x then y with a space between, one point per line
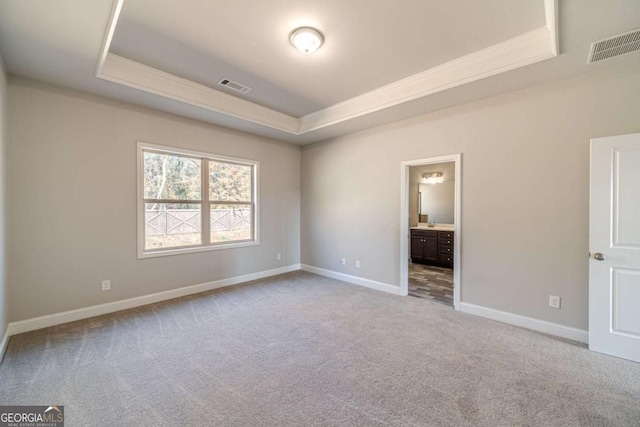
306 39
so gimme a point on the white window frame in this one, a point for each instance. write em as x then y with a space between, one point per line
205 202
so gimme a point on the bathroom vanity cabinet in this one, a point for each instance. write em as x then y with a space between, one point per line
432 246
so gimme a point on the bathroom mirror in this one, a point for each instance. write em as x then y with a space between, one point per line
436 202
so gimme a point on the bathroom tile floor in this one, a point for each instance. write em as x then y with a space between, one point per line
434 283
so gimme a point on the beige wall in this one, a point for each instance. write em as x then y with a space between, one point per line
4 287
72 201
525 182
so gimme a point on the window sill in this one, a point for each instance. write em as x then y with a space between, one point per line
194 249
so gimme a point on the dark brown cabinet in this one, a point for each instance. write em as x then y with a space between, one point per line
432 247
424 245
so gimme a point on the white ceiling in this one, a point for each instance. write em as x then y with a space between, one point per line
381 62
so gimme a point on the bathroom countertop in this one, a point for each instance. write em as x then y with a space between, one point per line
437 227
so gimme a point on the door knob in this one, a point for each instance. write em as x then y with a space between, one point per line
598 256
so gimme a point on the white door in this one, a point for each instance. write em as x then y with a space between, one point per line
614 245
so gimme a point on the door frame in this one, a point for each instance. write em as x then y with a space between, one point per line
404 222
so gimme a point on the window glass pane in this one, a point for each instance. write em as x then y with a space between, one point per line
230 222
229 182
167 176
170 225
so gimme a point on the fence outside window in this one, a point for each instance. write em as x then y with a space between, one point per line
165 222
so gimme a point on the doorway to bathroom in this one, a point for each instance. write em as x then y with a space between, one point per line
430 229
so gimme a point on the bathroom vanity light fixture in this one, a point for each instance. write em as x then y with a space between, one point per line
306 39
432 178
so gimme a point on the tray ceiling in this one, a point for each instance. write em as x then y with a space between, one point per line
368 44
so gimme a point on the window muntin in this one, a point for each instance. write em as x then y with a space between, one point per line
194 201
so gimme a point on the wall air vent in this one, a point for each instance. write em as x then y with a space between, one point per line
234 85
615 46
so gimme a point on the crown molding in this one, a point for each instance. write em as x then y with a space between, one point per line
116 8
134 74
517 52
528 48
551 18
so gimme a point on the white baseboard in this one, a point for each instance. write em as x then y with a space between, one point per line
527 322
110 307
379 286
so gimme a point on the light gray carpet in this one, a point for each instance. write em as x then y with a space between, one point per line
303 350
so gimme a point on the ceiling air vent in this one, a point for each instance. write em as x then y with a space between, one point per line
615 46
234 85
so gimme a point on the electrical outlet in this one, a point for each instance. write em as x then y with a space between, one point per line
279 256
357 263
344 261
554 301
106 285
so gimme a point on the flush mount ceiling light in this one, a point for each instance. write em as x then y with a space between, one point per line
432 178
306 39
